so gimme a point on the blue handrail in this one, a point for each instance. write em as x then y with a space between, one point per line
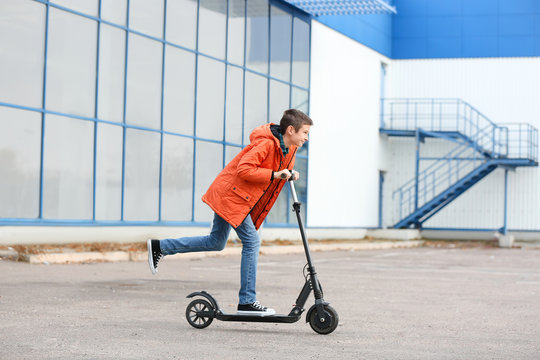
437 177
443 115
521 140
481 141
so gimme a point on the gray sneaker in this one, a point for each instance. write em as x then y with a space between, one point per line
154 254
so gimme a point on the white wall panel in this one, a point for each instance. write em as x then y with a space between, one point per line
400 168
345 156
503 89
524 199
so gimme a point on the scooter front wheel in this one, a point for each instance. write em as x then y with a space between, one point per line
199 313
326 323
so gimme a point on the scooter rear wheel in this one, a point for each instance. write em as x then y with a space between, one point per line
199 313
328 324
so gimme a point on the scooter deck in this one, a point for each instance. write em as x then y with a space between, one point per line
276 318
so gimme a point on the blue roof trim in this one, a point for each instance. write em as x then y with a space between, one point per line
343 7
428 29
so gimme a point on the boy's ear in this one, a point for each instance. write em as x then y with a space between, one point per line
290 130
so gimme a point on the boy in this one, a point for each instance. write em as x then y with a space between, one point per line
241 196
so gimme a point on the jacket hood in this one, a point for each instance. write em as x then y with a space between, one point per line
263 132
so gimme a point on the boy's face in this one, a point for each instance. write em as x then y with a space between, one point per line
299 137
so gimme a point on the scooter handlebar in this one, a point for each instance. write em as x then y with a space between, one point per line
291 178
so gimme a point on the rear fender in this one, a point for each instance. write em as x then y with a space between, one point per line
207 296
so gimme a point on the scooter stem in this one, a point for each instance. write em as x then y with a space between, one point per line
313 274
293 191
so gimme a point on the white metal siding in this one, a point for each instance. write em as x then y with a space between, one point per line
503 89
524 199
401 167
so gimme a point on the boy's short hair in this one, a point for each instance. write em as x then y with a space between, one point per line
294 117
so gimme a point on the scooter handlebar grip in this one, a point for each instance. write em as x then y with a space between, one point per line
284 176
292 175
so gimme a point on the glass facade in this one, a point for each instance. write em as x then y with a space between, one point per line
124 111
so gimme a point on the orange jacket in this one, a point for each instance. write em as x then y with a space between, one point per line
244 187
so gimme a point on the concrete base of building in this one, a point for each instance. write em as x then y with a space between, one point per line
142 256
394 234
33 235
23 235
505 241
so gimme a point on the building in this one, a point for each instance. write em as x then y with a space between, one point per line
115 116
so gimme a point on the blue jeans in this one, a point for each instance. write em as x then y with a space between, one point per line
216 241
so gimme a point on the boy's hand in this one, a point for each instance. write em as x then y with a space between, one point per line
282 175
285 174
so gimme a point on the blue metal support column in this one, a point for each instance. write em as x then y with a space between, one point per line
381 187
505 223
161 127
417 169
124 122
43 116
96 115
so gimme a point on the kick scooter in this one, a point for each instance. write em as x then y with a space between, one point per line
321 316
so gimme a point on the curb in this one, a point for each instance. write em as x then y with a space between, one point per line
140 256
77 258
9 254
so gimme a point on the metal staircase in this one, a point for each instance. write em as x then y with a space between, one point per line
481 147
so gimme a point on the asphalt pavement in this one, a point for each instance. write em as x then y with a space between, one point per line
417 303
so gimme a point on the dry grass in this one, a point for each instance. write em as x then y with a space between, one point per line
78 247
141 246
462 244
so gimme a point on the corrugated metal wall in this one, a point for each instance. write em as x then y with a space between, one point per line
400 168
503 89
506 90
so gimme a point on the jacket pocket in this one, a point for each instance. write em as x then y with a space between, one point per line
241 193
